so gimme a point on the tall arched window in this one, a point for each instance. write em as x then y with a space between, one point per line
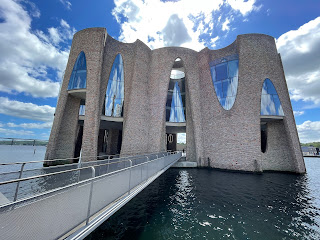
270 102
176 96
177 111
224 73
115 89
78 76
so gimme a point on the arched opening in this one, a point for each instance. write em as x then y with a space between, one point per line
110 134
270 102
115 90
76 87
224 73
176 108
271 112
78 78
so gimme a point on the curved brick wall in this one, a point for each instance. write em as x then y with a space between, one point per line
215 137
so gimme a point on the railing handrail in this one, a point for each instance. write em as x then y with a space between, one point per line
70 170
68 164
63 159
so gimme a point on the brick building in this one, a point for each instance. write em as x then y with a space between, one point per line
232 103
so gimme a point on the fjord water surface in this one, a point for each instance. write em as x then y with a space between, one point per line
210 204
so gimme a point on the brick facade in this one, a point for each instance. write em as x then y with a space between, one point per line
219 138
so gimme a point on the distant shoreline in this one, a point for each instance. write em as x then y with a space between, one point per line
24 143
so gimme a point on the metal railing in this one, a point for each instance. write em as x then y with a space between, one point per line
34 173
55 212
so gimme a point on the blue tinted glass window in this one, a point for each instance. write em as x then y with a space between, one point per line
270 102
82 110
115 89
225 79
78 76
175 106
177 110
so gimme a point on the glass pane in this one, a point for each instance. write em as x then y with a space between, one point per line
218 88
78 77
70 86
82 110
270 102
271 88
222 71
172 115
230 91
109 104
117 107
229 102
277 104
225 87
81 62
233 68
213 73
265 100
180 115
264 88
234 85
223 103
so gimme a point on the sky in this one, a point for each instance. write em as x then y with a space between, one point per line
36 35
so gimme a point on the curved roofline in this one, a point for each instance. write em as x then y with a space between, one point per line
174 47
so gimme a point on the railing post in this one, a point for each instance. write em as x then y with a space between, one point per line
79 166
130 176
147 167
93 174
108 165
18 183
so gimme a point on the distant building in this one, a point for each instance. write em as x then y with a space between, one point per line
232 103
309 151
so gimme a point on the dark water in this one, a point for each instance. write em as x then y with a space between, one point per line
209 204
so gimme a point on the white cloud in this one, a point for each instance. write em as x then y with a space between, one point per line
298 113
300 52
175 32
26 110
213 41
30 125
225 25
11 132
66 4
309 131
171 23
27 54
245 7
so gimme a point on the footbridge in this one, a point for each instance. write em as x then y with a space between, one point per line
70 201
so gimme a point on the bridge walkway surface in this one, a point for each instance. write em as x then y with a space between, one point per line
70 201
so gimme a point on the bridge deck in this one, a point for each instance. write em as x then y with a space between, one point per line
74 210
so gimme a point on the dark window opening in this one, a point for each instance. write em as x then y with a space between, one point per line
264 138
